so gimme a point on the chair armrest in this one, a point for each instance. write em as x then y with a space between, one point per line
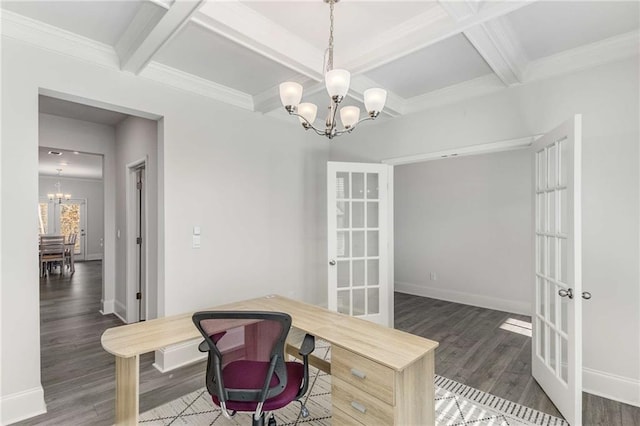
308 345
203 346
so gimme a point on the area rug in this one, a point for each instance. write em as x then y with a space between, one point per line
456 405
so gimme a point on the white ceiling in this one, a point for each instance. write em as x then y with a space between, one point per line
73 164
424 53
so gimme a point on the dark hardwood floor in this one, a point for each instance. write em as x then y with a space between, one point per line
474 350
79 381
78 376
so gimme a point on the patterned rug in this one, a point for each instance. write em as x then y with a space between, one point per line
456 405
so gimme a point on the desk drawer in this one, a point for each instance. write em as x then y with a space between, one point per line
360 405
340 418
363 373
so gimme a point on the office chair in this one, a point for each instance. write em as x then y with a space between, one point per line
246 366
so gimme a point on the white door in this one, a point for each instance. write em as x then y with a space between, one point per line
557 325
360 269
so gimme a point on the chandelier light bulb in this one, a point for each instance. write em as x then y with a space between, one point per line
337 82
374 100
290 93
349 116
309 112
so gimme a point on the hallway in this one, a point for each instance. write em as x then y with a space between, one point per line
77 374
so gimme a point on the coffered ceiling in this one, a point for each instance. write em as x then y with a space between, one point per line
425 53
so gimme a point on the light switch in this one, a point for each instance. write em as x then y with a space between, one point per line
196 241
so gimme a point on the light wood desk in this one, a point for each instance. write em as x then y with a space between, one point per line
380 376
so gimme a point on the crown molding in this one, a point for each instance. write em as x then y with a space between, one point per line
599 53
484 85
57 40
181 80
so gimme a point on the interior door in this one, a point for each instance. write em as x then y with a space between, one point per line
359 235
557 325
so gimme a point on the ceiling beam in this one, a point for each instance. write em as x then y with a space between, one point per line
252 30
150 30
423 31
493 40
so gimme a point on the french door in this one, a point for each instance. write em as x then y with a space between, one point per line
557 319
359 267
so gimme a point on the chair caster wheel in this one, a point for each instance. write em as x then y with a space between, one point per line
304 411
272 421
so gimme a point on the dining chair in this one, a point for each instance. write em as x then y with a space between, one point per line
51 253
246 368
69 252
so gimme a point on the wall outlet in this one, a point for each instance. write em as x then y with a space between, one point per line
433 276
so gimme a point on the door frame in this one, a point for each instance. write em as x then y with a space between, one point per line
131 272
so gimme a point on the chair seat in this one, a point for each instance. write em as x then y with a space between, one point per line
251 374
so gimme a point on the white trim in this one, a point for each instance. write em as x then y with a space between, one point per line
485 148
176 356
120 311
513 306
22 405
611 386
584 57
200 86
57 40
108 307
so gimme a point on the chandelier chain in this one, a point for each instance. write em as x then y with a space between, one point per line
330 60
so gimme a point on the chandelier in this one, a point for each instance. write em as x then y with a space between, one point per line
58 194
337 83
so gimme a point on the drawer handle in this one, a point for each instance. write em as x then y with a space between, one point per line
358 373
359 407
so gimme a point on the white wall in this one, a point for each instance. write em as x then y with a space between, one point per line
136 139
255 185
608 98
90 190
468 220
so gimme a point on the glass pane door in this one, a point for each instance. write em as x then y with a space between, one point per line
358 280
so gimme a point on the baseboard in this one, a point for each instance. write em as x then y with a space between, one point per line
465 298
108 307
95 256
177 356
120 311
22 405
611 386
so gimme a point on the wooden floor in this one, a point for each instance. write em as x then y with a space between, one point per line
79 381
474 350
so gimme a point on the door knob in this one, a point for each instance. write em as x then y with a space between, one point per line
586 295
332 262
566 293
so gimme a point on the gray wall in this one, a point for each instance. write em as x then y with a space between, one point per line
92 191
468 220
